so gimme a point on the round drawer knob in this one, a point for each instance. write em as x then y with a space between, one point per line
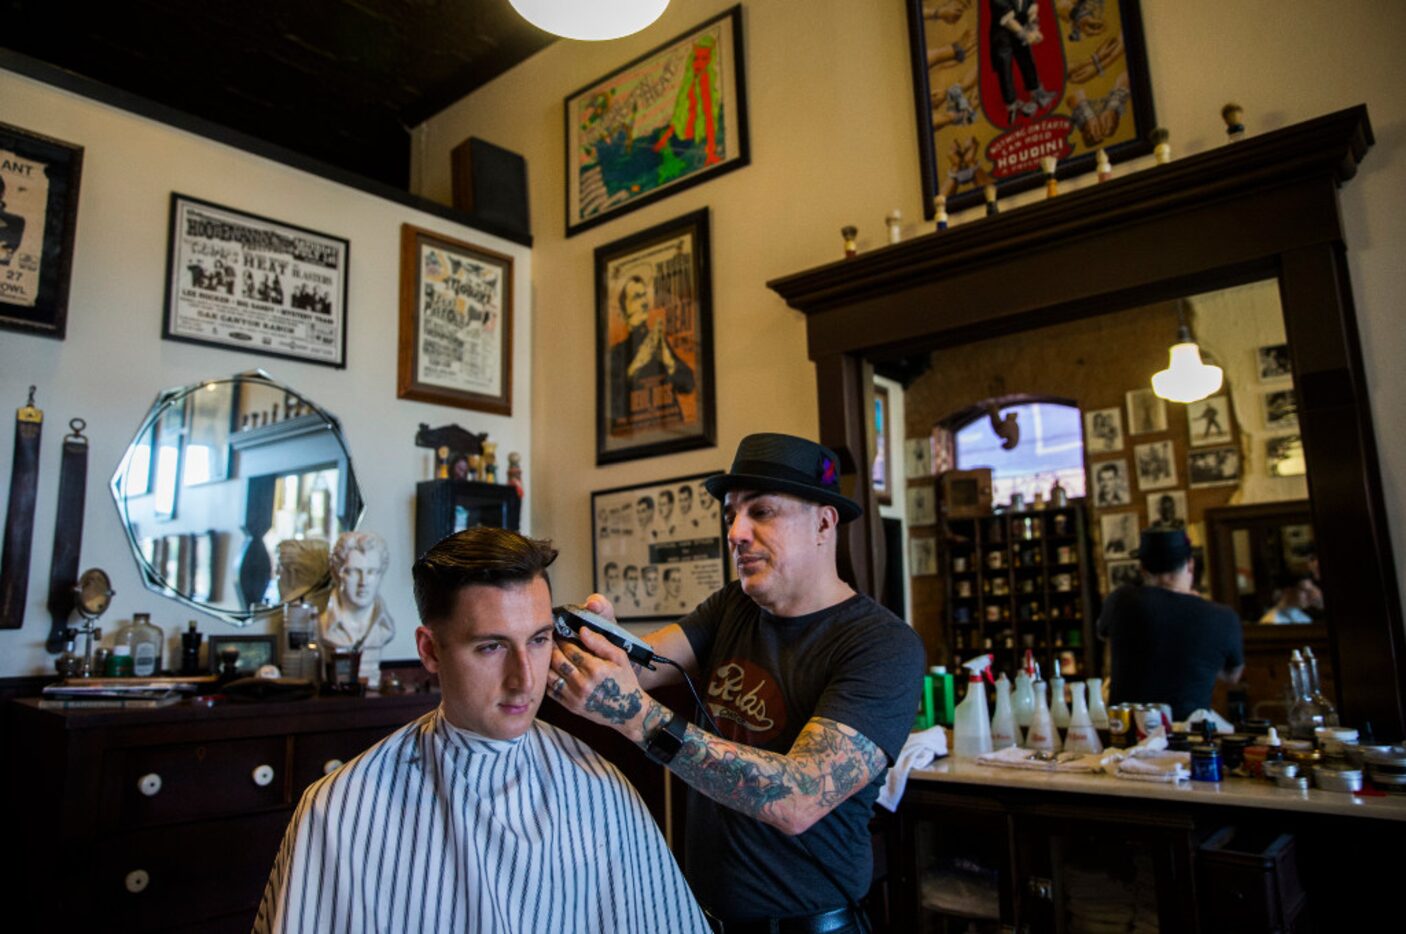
137 881
330 766
263 775
149 784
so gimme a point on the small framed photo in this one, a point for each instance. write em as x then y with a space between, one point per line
658 549
881 471
1119 534
1273 362
255 285
1208 422
1214 467
1147 412
456 323
1166 510
654 342
1281 409
1121 573
922 557
254 652
922 505
38 217
917 457
1156 465
1103 431
1110 484
1284 456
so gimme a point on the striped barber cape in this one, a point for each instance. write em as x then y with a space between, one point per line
439 829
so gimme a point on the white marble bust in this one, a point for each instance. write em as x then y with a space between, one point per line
355 613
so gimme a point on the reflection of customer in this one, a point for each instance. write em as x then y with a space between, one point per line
646 375
1169 645
1298 597
355 614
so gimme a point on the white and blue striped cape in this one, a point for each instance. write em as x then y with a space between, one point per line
438 829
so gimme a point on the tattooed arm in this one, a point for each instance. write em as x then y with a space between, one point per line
828 762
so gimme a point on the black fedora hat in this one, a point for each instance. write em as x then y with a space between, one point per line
778 463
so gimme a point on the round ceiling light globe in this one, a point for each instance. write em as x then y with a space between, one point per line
592 20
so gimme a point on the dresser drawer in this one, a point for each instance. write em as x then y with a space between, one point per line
317 754
194 781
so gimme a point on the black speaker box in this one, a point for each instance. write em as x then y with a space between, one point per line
490 185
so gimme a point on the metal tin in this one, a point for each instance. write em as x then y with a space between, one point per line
1255 727
1342 780
1297 783
1148 718
1277 770
1304 757
1121 734
1205 763
1232 750
1391 761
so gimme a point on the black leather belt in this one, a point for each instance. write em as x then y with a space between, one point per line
824 922
19 517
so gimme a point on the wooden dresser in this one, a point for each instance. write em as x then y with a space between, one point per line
169 819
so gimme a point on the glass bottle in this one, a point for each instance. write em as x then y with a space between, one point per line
1306 714
119 663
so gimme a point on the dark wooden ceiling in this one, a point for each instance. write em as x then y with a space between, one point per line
341 81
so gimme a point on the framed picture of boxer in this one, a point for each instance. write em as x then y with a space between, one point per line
39 179
1001 84
654 342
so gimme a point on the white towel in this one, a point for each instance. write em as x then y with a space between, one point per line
1015 758
917 753
1156 767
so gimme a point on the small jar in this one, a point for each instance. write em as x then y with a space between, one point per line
119 663
1232 750
1205 763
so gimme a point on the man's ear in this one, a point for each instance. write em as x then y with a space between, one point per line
428 649
828 520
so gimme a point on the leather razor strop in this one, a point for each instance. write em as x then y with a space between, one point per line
19 517
68 533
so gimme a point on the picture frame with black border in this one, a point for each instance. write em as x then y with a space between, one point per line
254 652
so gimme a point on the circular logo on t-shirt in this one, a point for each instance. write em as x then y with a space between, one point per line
746 702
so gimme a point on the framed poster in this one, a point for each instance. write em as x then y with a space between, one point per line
672 118
1111 486
1147 412
248 283
1208 421
1103 431
654 342
1119 533
38 215
1214 467
456 323
1156 465
1167 510
1001 84
658 548
881 471
254 652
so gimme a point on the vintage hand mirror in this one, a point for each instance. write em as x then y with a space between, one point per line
94 592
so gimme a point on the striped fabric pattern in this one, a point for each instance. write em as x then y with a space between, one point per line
438 829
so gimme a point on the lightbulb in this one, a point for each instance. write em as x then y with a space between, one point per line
592 20
1186 378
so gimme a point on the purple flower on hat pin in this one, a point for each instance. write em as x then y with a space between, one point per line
827 471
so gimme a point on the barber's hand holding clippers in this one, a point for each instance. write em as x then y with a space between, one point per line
596 679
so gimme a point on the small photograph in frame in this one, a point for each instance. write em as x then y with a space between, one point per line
1273 362
1147 412
1166 510
1156 465
456 323
1122 573
255 285
922 557
880 474
254 652
39 179
917 457
1284 456
654 342
1208 421
1119 534
1281 409
658 549
922 505
1103 431
1214 467
1110 484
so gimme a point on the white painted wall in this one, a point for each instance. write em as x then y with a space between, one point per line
113 361
833 143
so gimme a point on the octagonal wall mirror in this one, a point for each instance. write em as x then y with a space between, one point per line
232 492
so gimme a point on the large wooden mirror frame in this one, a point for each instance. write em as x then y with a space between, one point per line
1264 207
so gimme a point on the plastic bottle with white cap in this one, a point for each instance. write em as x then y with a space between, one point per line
1004 732
971 729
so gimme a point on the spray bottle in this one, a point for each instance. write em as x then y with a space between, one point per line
1082 737
1043 736
971 730
1004 732
1059 710
1024 700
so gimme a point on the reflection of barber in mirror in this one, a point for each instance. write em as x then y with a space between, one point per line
302 565
355 614
1298 597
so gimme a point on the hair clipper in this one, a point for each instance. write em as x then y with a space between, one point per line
569 620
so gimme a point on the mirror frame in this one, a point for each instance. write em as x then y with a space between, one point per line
1262 208
251 564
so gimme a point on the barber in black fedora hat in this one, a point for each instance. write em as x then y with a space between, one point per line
1169 645
812 685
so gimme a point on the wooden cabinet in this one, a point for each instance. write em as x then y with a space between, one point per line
170 819
443 507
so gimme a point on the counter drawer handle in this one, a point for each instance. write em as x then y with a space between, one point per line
137 881
263 775
149 784
330 766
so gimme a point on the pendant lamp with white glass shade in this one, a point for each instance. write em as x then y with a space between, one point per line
1187 377
590 19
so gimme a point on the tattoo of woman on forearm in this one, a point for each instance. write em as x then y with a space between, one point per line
607 701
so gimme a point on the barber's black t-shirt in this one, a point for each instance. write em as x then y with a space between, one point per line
855 663
1168 647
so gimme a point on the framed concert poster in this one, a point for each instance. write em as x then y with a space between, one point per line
456 323
659 549
1001 84
248 283
654 342
38 216
672 118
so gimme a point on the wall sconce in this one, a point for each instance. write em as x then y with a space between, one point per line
1187 378
590 19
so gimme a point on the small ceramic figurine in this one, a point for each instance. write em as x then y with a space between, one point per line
1047 165
441 462
356 616
895 225
940 202
850 232
1103 167
515 472
1234 116
1162 147
490 461
989 192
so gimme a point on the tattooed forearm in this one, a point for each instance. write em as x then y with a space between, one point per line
613 706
